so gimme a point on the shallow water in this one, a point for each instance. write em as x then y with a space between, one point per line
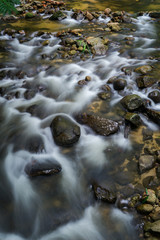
62 206
131 6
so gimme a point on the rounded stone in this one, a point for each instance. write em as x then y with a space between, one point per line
155 96
65 132
119 84
145 208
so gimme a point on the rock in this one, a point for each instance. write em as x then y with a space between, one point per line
69 41
154 14
145 208
156 214
107 11
72 52
143 69
119 84
146 162
152 227
65 132
104 95
155 96
29 15
133 118
82 82
132 102
89 16
158 172
145 81
29 94
98 45
57 15
151 197
104 194
88 78
153 115
147 134
101 126
36 168
45 43
114 26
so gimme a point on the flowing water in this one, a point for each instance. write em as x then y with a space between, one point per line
62 206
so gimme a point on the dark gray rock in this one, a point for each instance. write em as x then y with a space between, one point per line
104 194
145 81
36 168
65 132
155 96
119 84
100 125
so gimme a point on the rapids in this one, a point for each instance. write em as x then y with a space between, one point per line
62 207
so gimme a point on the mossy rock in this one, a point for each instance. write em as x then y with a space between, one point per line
59 15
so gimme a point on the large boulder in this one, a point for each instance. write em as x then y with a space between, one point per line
155 96
100 125
152 227
65 132
132 102
35 168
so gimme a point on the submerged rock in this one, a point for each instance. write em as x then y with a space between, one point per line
34 144
98 45
146 162
36 168
65 132
143 69
100 125
132 102
104 194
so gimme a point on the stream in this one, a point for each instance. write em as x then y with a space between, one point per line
34 90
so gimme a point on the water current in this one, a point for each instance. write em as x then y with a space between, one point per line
62 206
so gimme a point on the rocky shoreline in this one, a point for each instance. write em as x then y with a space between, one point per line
141 194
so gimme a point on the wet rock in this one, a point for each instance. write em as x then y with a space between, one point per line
151 196
147 134
48 167
29 94
57 15
158 172
153 115
146 162
29 15
101 126
155 96
132 102
145 81
34 144
69 41
98 45
72 52
88 78
145 208
107 11
65 132
119 84
9 18
133 118
156 214
9 31
104 95
154 14
89 16
152 227
114 26
104 194
143 69
45 43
